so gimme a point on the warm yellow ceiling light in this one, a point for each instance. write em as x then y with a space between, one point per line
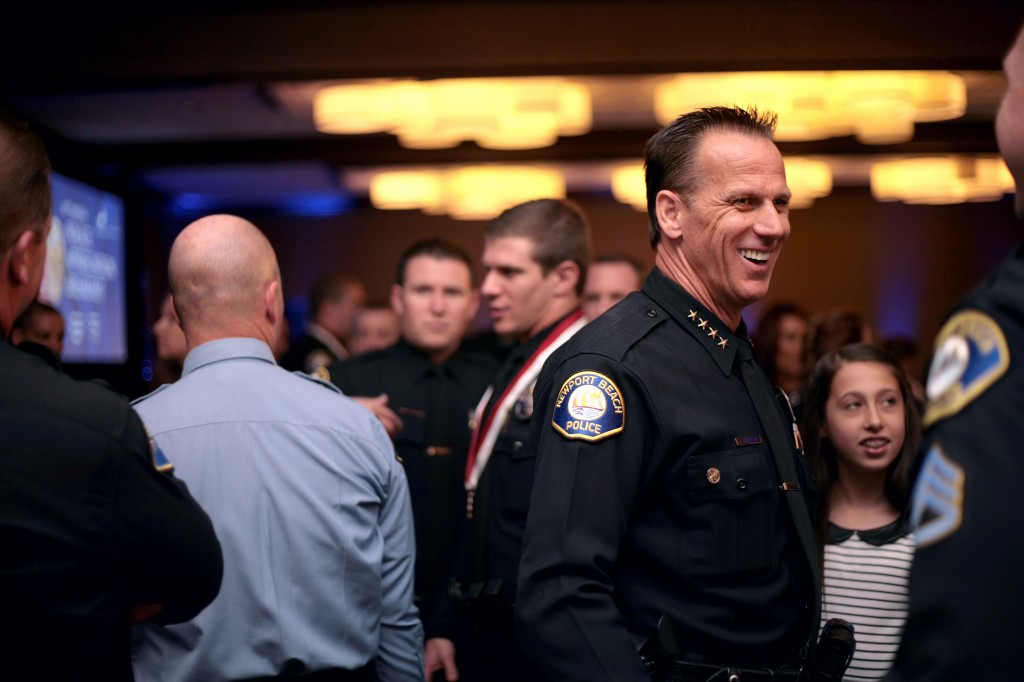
402 190
629 186
941 179
808 179
496 113
879 107
467 192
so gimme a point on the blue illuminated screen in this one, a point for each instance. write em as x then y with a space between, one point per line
84 273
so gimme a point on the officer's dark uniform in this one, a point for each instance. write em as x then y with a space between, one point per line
307 353
656 494
494 532
965 593
435 403
88 528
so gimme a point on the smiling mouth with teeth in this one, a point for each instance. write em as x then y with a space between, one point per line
759 257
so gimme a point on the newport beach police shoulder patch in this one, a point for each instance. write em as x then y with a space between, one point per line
970 355
589 407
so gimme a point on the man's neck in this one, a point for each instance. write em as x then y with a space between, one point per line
679 272
439 357
557 311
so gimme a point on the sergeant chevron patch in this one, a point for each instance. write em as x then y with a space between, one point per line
937 507
589 407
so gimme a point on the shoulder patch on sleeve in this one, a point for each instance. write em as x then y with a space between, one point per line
160 461
970 355
937 507
589 407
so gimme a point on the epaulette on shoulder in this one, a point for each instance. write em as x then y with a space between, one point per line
149 395
614 333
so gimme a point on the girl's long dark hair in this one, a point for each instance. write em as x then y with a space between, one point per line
822 454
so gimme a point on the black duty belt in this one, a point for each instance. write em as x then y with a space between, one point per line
684 671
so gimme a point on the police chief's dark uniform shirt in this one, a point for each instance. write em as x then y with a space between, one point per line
88 528
966 598
435 403
655 493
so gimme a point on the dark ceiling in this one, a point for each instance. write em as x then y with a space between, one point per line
214 96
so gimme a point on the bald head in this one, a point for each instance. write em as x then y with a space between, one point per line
225 281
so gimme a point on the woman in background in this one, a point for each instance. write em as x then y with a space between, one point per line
779 345
862 431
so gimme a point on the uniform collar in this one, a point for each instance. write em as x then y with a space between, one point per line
533 343
325 337
876 536
227 349
420 365
720 342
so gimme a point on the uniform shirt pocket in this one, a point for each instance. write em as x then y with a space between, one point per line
516 461
731 516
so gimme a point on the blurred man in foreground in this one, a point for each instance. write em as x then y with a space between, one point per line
966 498
96 532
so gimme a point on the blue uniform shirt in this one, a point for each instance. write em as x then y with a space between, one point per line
313 512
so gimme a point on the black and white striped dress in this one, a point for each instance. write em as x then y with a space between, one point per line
866 576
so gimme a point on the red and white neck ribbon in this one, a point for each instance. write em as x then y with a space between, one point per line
486 433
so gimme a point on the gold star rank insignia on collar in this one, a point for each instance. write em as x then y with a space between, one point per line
723 342
713 333
703 323
692 315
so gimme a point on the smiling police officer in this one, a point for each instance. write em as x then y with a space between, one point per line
665 459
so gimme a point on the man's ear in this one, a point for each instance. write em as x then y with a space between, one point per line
271 295
669 208
396 300
19 265
567 274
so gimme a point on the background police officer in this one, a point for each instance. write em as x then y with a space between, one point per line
535 259
657 490
429 387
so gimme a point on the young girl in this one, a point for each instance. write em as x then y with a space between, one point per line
862 431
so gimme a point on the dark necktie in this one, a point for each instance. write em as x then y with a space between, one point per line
764 398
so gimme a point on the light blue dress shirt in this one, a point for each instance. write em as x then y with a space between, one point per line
313 513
